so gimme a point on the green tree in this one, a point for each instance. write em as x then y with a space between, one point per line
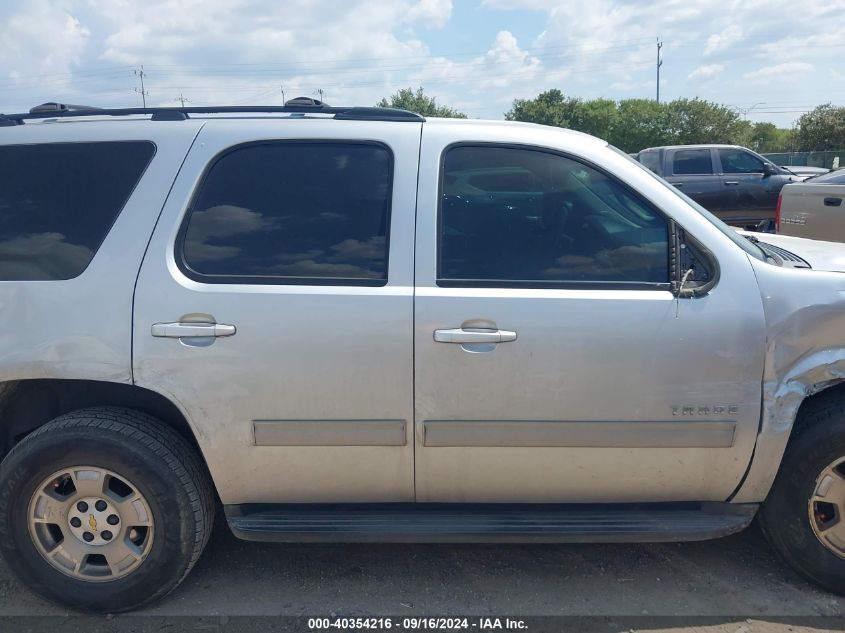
640 123
694 121
551 107
408 99
822 129
634 124
598 117
767 137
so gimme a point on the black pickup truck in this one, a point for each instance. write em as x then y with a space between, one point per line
734 183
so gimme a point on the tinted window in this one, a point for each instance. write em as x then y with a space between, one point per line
58 202
735 161
573 224
692 161
293 212
650 160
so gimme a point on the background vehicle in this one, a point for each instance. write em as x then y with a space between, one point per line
355 324
805 171
814 208
737 185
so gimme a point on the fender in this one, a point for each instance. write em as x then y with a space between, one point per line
805 354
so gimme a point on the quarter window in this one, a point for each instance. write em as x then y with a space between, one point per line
563 223
58 202
692 162
735 161
304 212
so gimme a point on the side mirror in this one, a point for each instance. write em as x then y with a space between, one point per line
768 170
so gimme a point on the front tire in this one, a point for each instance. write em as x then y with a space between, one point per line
104 509
803 516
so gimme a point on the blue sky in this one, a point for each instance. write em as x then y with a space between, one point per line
769 59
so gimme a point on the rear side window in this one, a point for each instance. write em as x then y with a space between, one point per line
692 162
567 225
292 212
651 160
58 202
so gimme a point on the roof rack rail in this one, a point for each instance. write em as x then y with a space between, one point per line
300 105
52 106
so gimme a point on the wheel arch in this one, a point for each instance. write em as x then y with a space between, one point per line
26 405
809 382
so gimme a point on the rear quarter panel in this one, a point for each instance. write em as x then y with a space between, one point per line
82 327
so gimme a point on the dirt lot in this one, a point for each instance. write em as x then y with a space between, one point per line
736 581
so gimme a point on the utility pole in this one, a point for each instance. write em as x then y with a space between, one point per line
140 73
183 99
319 91
282 88
659 64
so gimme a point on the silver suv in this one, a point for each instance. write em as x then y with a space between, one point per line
354 324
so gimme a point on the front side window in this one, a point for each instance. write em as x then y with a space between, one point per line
303 212
565 224
59 200
693 162
735 161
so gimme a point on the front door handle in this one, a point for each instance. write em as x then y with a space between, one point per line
460 335
731 182
192 330
832 202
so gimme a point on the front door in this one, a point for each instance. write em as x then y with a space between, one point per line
753 198
274 306
551 363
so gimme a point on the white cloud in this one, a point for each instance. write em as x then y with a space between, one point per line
431 13
721 41
357 51
41 40
707 71
780 71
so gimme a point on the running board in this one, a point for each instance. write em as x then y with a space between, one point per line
503 523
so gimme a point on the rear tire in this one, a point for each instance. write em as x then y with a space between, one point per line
150 478
805 510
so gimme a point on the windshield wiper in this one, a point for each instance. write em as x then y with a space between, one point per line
756 243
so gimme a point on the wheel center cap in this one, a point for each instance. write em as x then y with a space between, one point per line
93 520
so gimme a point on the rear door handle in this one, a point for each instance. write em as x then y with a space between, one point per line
731 182
460 335
832 202
192 330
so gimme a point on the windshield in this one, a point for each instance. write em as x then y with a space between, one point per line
745 244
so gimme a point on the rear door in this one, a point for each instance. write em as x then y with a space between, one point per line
274 306
550 362
692 171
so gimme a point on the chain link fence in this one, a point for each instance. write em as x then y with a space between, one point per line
827 159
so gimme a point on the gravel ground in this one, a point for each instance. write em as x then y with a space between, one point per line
734 585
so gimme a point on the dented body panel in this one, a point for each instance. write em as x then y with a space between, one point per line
805 351
81 328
